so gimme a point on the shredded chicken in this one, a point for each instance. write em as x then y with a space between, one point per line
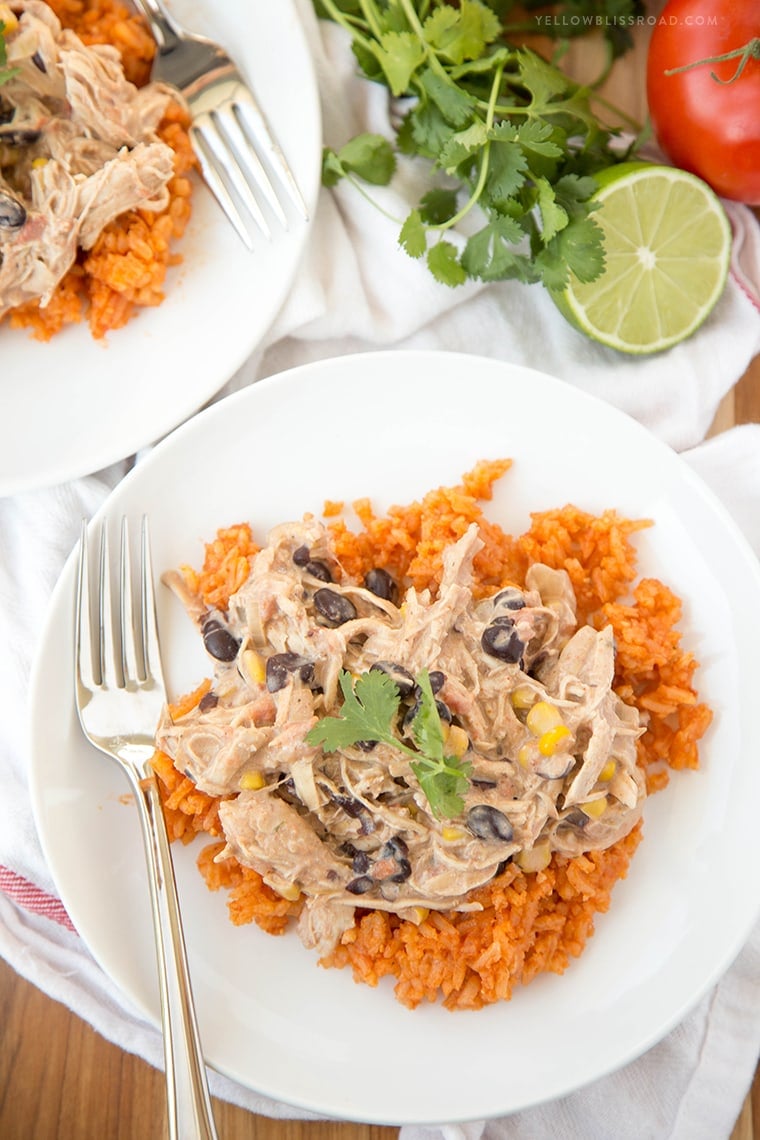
552 748
78 147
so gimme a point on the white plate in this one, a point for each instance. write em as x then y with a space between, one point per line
393 425
74 405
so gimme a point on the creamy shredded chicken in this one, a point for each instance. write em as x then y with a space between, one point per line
78 147
527 692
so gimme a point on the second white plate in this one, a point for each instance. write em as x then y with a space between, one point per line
74 405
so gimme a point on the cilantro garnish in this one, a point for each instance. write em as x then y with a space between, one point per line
512 142
6 73
369 712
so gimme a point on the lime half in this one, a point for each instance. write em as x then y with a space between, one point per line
667 244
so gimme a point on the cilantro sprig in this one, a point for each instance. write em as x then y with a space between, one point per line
6 72
512 142
369 712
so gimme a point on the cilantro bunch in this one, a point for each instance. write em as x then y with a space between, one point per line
511 141
369 712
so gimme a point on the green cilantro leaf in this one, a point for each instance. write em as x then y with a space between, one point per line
462 145
371 157
369 712
399 54
462 34
518 138
367 155
455 104
443 262
438 205
490 254
553 217
412 236
6 73
443 788
578 248
507 164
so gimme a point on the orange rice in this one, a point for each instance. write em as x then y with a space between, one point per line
126 268
530 922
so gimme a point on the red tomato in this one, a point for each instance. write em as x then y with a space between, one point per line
710 128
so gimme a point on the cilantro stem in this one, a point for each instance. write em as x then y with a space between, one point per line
349 25
371 16
484 162
368 198
419 32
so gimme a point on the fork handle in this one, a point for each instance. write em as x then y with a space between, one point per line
165 31
189 1102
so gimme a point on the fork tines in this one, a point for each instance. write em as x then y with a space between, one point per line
125 652
228 141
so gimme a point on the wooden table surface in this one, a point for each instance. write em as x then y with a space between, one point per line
59 1080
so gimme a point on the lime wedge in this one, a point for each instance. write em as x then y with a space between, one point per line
667 244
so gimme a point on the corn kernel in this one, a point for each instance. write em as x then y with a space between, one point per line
522 697
452 834
549 741
255 666
535 858
594 808
417 914
542 717
608 771
252 781
525 755
457 741
288 891
8 18
39 162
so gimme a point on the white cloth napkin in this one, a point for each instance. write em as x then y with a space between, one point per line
357 291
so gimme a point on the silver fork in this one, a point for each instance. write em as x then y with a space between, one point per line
119 697
229 132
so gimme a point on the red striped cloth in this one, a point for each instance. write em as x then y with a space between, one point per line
33 898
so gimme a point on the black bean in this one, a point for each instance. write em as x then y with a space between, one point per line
437 680
281 665
366 745
20 136
361 885
360 863
575 818
487 822
301 555
208 701
395 848
403 873
401 677
219 642
509 599
334 608
444 713
500 639
39 63
12 212
480 783
318 570
381 584
348 804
